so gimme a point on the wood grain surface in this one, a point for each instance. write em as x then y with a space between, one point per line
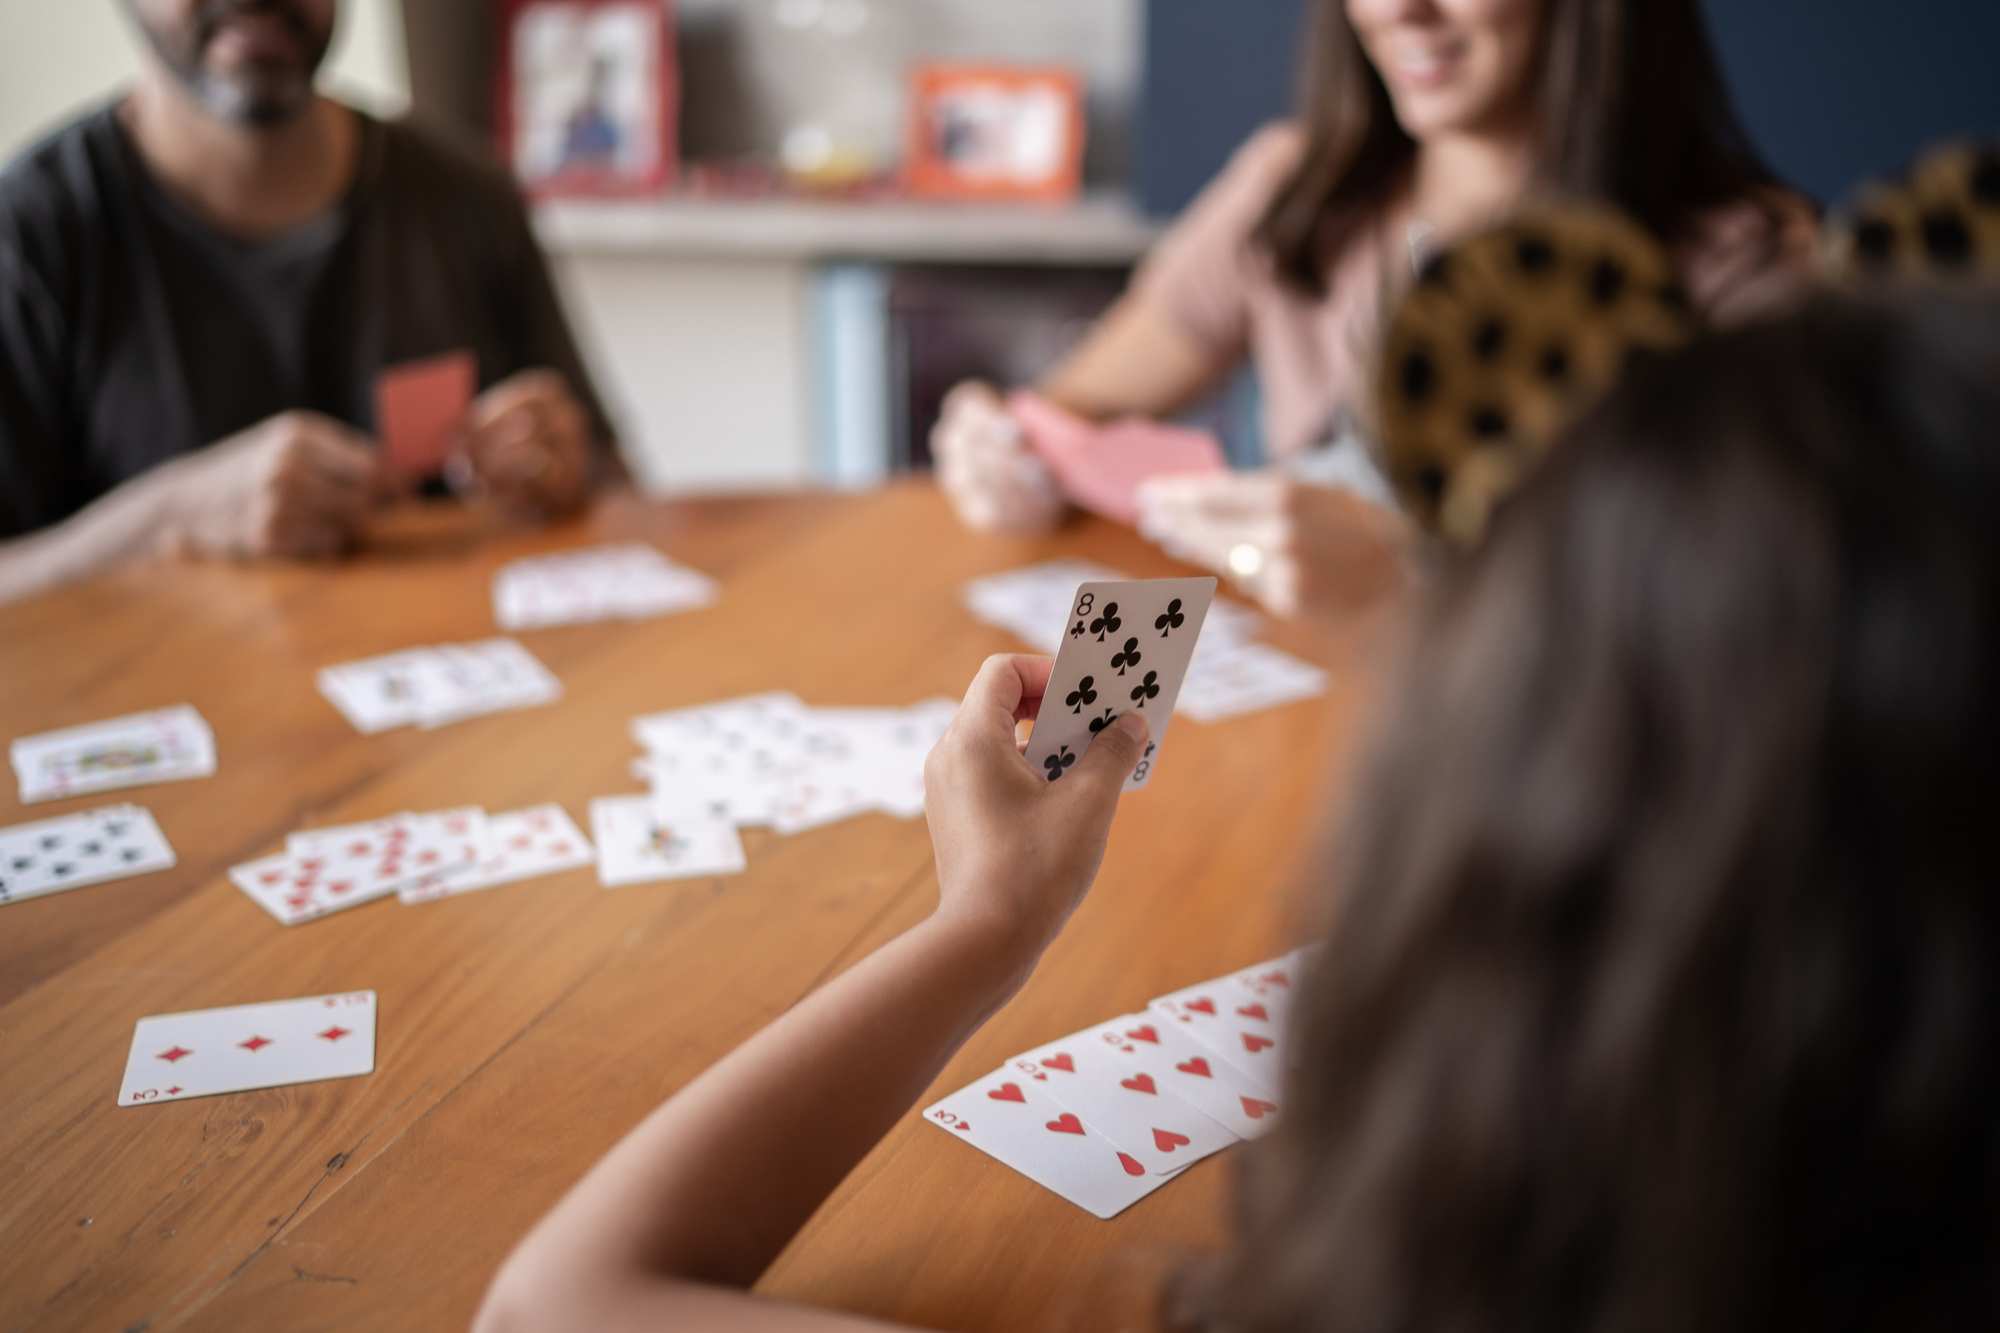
523 1030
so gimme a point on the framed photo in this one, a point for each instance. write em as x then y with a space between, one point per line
996 132
589 95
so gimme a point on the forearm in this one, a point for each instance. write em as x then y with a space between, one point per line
131 521
712 1185
1135 362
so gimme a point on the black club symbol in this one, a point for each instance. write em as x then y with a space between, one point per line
23 862
130 854
1057 762
1077 630
1129 657
1084 693
1171 619
1107 623
115 827
51 841
1149 688
93 847
61 870
1098 724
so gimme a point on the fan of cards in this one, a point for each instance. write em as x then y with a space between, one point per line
417 858
161 746
608 583
1229 677
1108 1115
429 687
53 855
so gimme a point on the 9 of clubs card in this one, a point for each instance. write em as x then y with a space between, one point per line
1126 649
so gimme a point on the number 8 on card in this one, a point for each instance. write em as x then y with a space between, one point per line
1125 649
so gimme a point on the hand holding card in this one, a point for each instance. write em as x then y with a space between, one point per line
1102 467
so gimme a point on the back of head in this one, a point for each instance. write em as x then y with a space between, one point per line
1662 985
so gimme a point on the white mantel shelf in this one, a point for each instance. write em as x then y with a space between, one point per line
1099 229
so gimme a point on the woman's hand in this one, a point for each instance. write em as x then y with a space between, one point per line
1015 851
985 468
1300 549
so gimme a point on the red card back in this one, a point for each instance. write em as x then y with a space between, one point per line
420 408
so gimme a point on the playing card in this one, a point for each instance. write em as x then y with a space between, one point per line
726 760
637 843
1187 1070
379 692
160 746
466 680
1228 680
1102 467
1008 1118
209 1051
421 408
1274 985
294 893
1126 648
606 582
858 759
1236 1025
1033 602
1123 1103
54 855
522 844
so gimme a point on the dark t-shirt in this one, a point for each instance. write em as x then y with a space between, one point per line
131 331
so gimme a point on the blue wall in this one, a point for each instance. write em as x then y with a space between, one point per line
1834 91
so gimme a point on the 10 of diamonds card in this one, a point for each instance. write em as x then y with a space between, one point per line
1126 649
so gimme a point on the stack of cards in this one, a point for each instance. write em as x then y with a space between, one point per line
117 842
1101 468
161 746
416 857
428 687
609 583
1108 1115
1228 677
207 1051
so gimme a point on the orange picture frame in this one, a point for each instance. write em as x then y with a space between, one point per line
990 132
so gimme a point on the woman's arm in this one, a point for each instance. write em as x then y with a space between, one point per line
1136 361
696 1202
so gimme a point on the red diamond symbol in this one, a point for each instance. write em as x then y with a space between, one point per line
298 902
334 1033
428 857
271 876
255 1043
561 848
339 886
175 1052
174 1090
521 840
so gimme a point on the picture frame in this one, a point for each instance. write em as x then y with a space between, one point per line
995 132
588 95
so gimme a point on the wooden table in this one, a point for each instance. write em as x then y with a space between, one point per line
523 1030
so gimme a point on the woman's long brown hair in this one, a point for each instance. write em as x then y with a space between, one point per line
1631 109
1664 989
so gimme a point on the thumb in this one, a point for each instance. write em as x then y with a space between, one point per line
1111 757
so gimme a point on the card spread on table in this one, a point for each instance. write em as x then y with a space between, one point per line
1102 467
637 843
606 583
164 745
1011 1119
1107 1115
430 687
1126 650
208 1051
68 852
421 409
519 845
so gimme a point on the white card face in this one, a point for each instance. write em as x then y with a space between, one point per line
379 693
294 894
161 746
1123 1103
1188 1070
373 856
54 855
1227 681
637 844
607 582
468 680
1009 1119
726 760
207 1051
1233 1024
1126 649
521 844
1274 985
1032 602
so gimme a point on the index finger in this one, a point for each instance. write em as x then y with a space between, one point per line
341 455
1008 689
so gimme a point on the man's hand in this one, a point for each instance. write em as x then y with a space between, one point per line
297 486
528 445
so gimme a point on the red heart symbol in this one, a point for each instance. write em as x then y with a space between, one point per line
339 886
1202 1006
271 876
1140 1083
1166 1140
560 849
1061 1061
312 863
1256 1011
1066 1123
1256 1109
359 849
1008 1092
1254 1043
963 1126
1147 1033
1132 1167
1197 1066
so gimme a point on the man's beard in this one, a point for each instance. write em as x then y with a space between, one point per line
259 94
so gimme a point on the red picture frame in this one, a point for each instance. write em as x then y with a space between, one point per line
991 132
587 96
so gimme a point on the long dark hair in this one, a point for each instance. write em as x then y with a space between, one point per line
1631 110
1664 985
